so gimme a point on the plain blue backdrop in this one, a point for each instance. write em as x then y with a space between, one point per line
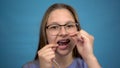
20 23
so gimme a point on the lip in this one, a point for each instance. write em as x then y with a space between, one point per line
63 41
63 44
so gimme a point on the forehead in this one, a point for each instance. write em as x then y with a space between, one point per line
60 16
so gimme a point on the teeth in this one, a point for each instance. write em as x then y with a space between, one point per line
63 42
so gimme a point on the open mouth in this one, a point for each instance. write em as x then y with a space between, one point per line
63 42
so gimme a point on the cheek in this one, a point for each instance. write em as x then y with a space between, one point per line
72 43
51 39
73 46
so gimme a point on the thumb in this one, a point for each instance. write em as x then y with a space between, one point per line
55 44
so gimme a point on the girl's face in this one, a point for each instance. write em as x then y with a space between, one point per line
59 25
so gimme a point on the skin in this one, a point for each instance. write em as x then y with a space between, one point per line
51 51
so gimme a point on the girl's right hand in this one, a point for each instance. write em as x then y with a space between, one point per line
46 55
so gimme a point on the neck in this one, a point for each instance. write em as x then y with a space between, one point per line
64 61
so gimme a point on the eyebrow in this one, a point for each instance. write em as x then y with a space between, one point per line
53 23
56 23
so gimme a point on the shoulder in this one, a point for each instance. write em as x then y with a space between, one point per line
79 60
80 63
32 64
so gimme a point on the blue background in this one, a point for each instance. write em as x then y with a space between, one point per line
20 23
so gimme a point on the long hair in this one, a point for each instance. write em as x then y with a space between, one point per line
42 36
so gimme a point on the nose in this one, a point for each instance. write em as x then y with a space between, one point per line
63 31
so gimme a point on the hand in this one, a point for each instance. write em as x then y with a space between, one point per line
84 43
46 55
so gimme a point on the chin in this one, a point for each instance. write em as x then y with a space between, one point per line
63 52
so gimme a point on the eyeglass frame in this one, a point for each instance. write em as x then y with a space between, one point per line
76 24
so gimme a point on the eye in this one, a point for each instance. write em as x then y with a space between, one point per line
70 25
53 27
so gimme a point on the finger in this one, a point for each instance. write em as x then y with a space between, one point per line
73 34
78 33
84 32
87 34
72 41
51 46
50 58
84 37
78 37
87 40
47 48
73 38
49 54
47 51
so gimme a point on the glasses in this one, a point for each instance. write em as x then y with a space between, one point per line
54 29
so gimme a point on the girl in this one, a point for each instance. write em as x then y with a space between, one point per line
63 44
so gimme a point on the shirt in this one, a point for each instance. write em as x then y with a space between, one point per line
77 63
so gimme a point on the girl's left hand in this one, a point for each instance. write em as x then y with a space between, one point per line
84 43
